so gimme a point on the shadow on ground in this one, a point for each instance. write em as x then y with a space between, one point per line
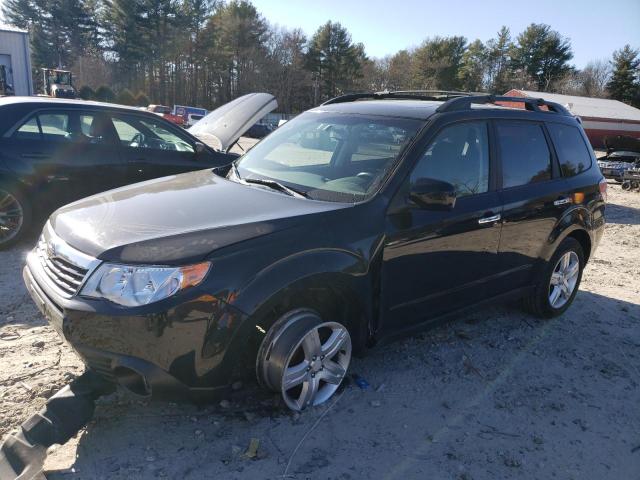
492 394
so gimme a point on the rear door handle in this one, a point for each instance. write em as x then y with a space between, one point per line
562 201
35 155
491 219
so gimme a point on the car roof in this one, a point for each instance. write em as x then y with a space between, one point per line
61 102
417 109
404 108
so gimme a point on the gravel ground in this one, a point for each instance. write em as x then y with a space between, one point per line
495 394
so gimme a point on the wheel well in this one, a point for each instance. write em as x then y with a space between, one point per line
584 240
330 298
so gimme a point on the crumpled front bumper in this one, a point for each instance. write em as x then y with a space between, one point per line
171 349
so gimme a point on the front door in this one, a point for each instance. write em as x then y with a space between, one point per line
436 261
153 148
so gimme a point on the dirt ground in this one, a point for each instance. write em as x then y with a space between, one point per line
496 394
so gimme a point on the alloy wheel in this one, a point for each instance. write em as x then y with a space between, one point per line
564 279
307 360
11 216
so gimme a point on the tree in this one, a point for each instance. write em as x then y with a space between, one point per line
125 97
473 69
105 94
286 76
436 63
334 61
498 59
60 30
541 54
594 78
399 71
86 93
625 84
142 100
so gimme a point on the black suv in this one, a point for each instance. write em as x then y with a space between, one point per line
370 216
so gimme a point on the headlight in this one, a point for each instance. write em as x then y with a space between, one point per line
132 285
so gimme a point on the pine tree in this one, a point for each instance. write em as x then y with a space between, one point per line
625 82
334 61
542 54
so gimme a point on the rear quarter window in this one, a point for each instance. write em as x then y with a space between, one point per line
573 153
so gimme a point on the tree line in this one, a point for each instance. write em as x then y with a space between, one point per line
207 52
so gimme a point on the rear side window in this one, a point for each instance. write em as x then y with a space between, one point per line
572 152
525 154
45 126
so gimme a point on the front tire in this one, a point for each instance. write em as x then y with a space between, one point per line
15 216
304 358
558 282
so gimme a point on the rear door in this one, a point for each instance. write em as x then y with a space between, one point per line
39 152
534 194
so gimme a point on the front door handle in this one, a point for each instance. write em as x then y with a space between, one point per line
491 219
562 201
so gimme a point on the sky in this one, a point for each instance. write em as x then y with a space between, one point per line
596 27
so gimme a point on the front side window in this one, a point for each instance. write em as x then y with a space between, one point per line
571 149
97 128
459 155
137 132
524 152
330 156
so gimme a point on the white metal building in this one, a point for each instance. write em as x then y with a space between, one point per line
15 54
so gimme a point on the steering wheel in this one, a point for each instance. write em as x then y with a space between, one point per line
138 139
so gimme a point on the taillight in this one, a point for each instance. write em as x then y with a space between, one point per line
603 188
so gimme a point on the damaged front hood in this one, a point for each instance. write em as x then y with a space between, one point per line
221 128
177 219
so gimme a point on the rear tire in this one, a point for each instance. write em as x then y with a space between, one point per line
15 216
558 282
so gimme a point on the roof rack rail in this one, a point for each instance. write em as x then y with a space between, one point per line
532 104
400 94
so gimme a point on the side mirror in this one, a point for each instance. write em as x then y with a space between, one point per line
433 194
200 148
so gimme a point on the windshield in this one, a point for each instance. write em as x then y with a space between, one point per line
64 78
329 156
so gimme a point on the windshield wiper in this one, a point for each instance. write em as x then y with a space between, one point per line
275 186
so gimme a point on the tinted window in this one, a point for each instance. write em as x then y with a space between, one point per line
54 125
146 133
525 154
97 128
45 126
460 156
572 151
29 130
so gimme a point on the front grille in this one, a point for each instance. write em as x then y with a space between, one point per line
63 267
64 274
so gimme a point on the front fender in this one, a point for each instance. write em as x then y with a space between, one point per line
284 280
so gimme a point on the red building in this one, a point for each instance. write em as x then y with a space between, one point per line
600 117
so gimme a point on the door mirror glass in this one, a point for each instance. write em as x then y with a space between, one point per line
200 148
432 194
